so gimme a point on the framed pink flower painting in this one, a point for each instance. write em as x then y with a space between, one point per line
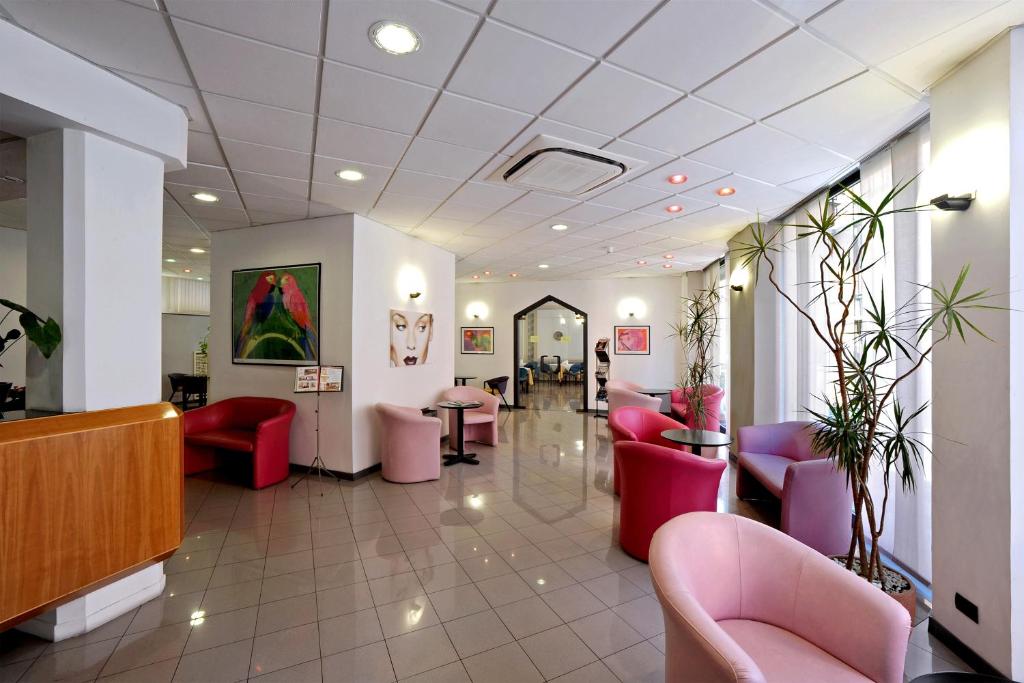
633 340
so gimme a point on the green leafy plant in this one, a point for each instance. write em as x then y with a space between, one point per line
875 348
204 343
45 335
697 334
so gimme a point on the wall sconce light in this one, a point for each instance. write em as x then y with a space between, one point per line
632 308
960 202
739 279
414 295
477 310
410 282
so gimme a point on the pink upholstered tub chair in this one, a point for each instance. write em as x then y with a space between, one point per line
712 407
479 424
622 384
779 459
410 444
745 603
620 398
660 483
633 423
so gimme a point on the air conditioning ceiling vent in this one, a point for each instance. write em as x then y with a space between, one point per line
549 164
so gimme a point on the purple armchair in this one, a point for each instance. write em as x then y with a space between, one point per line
410 444
817 504
479 424
754 605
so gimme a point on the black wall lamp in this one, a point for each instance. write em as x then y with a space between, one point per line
960 202
414 295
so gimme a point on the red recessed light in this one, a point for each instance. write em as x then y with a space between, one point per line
677 179
666 265
476 277
641 262
725 191
487 272
674 208
513 274
188 270
669 256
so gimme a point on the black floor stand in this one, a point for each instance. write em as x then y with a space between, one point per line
460 454
318 462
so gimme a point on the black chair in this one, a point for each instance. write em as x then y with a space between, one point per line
190 386
498 385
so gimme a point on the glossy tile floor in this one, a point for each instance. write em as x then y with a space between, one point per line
550 395
508 571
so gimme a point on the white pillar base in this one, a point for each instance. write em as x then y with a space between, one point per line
98 607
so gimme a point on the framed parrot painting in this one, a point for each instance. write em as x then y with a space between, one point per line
275 315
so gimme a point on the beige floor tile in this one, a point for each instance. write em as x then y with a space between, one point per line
641 662
596 672
546 578
398 587
469 548
430 556
335 554
308 672
449 673
287 613
283 649
386 565
501 590
285 545
524 557
73 666
526 617
477 633
242 553
505 664
328 537
612 589
485 567
224 663
228 574
561 548
349 631
386 545
442 577
166 610
643 614
188 582
367 664
458 602
161 672
344 600
147 647
342 574
584 567
605 633
406 616
420 651
557 651
230 598
221 629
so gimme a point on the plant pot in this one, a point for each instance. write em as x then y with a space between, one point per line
899 587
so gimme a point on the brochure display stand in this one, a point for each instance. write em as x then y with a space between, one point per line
318 379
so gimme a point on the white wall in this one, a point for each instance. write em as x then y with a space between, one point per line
387 264
181 335
599 299
978 412
549 321
327 241
13 268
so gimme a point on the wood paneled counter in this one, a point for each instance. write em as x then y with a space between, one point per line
85 499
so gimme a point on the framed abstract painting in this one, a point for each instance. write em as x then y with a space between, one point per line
275 315
632 340
478 340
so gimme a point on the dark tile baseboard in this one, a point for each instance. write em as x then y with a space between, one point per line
961 650
347 476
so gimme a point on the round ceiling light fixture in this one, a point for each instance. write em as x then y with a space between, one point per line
197 250
641 262
170 260
725 191
188 270
560 227
207 197
476 277
669 256
677 179
674 208
513 274
487 272
350 174
543 265
394 38
666 265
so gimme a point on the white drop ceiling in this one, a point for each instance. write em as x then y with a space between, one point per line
772 97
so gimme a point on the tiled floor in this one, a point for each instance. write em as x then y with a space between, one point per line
508 571
550 395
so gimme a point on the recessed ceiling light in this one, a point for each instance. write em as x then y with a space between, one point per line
641 262
666 265
559 227
349 174
394 38
725 191
476 277
674 208
199 278
208 197
487 272
197 250
669 256
677 179
543 265
170 260
188 270
513 274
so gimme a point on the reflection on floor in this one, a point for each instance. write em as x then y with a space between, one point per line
508 571
550 395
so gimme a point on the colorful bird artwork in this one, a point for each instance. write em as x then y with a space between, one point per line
274 315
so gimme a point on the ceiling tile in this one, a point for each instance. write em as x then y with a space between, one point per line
277 206
245 156
853 117
247 69
751 195
801 9
711 224
286 23
652 157
628 197
691 205
590 103
383 101
603 232
226 199
342 198
443 31
511 68
875 30
203 149
591 26
769 155
784 73
687 42
471 123
486 195
462 212
485 171
540 204
590 213
184 96
271 186
816 181
114 34
374 177
213 177
422 185
634 220
402 210
686 126
259 123
696 174
563 131
359 143
431 156
513 219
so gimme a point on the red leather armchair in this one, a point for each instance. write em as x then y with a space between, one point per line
658 484
254 425
632 423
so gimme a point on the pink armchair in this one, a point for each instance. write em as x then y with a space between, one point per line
660 483
410 444
816 500
632 423
753 605
622 384
620 398
479 424
712 407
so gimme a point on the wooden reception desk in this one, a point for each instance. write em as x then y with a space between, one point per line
85 499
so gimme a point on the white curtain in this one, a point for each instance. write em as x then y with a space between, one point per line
181 295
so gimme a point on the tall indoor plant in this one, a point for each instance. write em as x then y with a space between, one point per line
45 335
862 420
697 334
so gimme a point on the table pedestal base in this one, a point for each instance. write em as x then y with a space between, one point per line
456 458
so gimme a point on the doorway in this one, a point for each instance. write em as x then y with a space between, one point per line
550 352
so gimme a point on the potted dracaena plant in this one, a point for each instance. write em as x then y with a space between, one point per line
45 335
862 424
697 334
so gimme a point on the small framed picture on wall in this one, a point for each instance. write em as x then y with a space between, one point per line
632 340
478 340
